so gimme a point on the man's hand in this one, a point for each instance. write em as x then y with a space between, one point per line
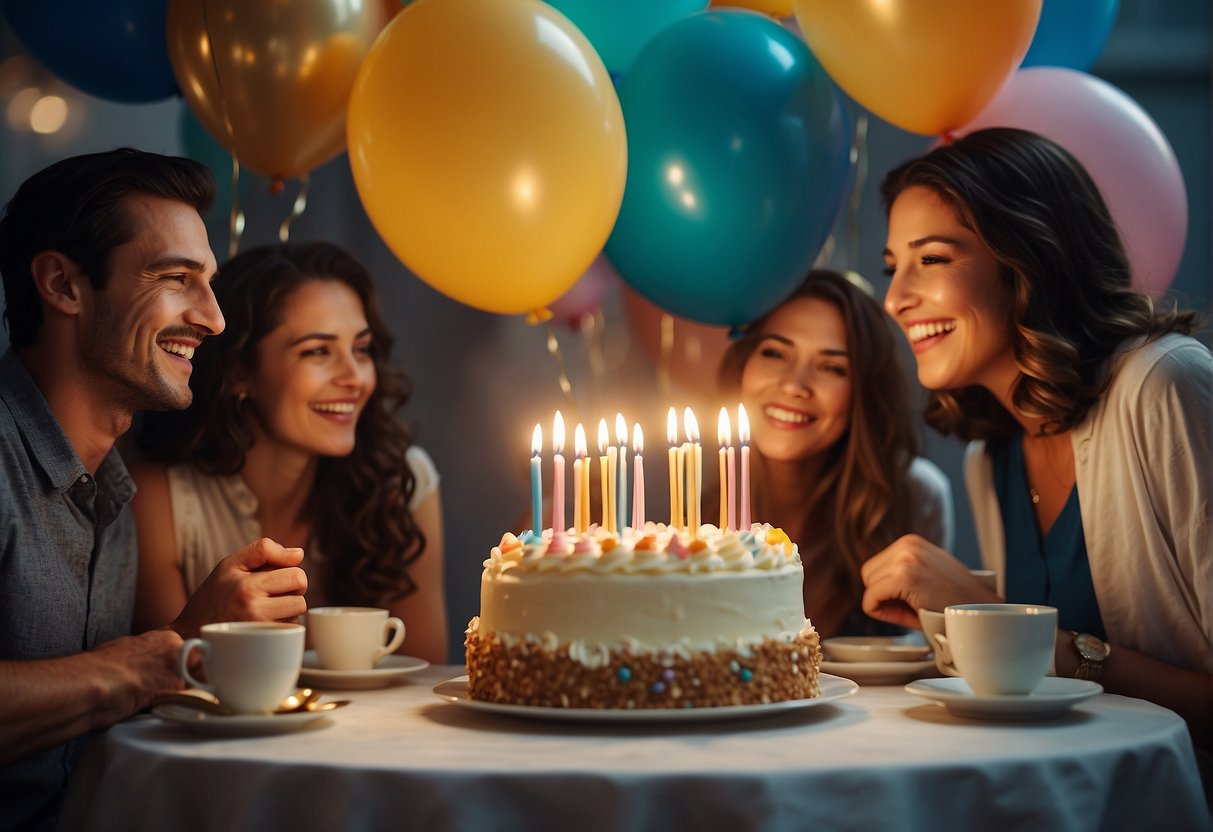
261 582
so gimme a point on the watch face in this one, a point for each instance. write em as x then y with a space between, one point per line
1090 647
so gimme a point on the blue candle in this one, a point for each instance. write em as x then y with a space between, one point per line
536 482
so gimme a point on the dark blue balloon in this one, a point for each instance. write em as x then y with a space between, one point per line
738 152
1071 33
114 49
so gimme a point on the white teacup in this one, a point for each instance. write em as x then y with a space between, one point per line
999 649
250 665
353 638
933 624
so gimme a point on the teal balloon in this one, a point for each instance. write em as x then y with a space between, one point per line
738 160
619 29
1071 33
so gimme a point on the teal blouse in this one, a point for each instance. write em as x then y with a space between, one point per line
1052 569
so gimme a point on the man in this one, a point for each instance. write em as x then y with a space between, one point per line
107 271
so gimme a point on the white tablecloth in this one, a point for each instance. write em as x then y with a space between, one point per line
400 758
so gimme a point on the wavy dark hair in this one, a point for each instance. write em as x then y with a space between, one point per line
77 206
359 503
864 490
1063 266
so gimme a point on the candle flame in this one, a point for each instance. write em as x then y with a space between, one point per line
637 440
537 441
692 427
558 433
671 428
579 442
743 425
603 437
621 430
724 429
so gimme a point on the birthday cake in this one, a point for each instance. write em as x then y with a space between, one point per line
644 619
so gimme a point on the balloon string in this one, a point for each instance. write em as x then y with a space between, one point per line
859 158
236 217
284 230
667 354
593 328
566 386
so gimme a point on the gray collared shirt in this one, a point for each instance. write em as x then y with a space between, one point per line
68 560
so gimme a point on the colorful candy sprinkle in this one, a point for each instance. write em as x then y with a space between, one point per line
624 674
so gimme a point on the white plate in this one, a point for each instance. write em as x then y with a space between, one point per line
236 724
388 670
879 673
908 648
832 689
1053 697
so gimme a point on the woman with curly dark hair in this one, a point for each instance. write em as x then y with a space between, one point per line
295 434
1089 410
833 446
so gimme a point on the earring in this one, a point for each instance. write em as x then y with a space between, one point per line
240 397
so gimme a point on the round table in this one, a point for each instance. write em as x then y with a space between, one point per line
400 757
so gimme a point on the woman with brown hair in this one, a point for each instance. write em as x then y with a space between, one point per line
833 446
295 434
1089 412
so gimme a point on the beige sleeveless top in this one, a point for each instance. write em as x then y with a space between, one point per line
215 516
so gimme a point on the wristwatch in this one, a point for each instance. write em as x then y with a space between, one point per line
1092 652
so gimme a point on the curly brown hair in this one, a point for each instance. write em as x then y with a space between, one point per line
864 490
359 503
1063 266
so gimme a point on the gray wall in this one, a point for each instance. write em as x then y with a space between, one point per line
483 380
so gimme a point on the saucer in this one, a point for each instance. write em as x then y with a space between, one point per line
455 692
876 648
1052 697
879 673
383 674
236 724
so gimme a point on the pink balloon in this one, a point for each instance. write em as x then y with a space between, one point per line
586 294
1121 147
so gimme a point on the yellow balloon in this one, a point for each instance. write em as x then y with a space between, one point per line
489 150
775 8
271 80
927 66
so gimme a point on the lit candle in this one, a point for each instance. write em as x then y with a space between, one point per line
732 474
675 474
536 481
558 475
579 495
694 472
621 484
743 434
638 477
585 486
606 474
723 431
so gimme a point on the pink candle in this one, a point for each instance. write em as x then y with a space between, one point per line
536 481
558 474
637 478
724 435
743 433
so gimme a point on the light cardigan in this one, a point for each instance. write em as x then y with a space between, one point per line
1143 465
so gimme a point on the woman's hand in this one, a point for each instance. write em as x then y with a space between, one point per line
913 574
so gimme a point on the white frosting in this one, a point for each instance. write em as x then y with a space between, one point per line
606 592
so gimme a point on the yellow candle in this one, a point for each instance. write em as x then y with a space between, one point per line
579 493
585 489
694 471
606 482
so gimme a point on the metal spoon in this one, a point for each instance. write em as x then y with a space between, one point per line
303 699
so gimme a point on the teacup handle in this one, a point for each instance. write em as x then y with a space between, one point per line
943 659
204 647
396 627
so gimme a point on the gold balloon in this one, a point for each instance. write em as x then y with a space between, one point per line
489 150
271 80
926 66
